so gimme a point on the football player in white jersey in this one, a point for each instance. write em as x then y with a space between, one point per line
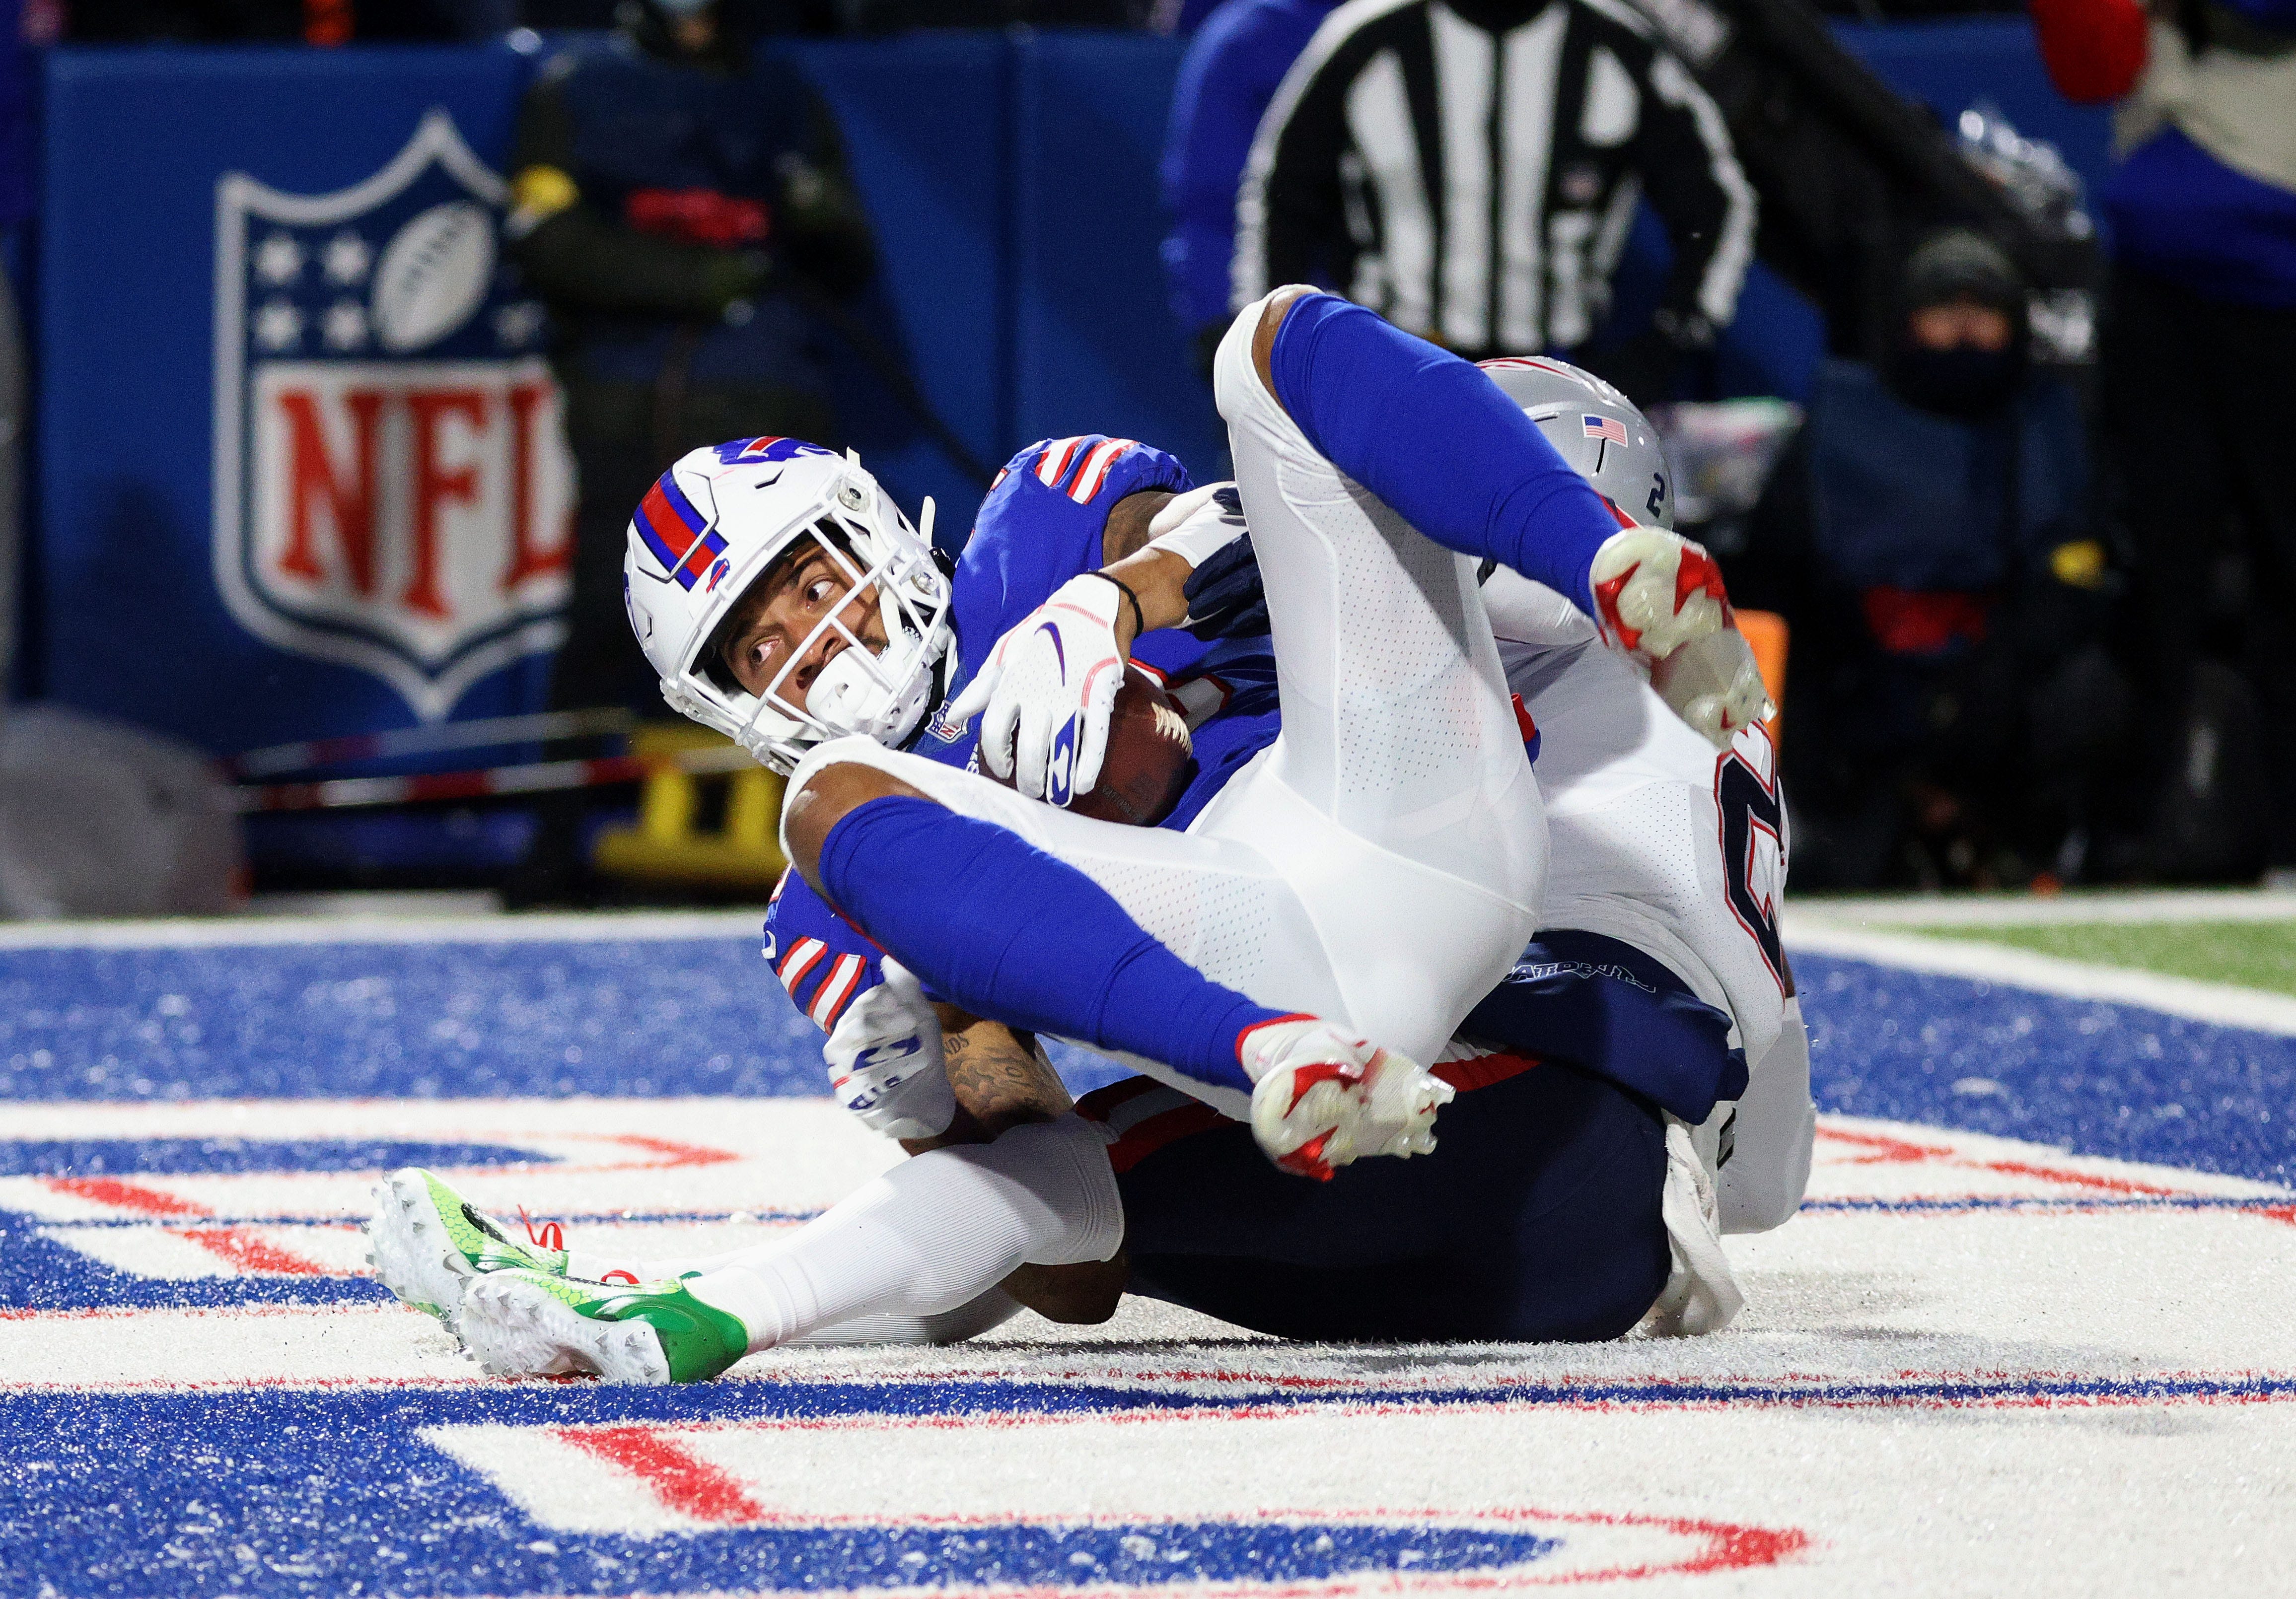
1528 973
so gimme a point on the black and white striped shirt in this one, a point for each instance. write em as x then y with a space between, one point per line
1470 168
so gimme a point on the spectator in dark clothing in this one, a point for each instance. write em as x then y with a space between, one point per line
1470 169
676 202
1234 65
1926 539
2198 348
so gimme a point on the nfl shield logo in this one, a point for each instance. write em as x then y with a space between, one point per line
392 490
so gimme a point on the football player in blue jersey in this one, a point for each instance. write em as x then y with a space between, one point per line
1375 863
1405 775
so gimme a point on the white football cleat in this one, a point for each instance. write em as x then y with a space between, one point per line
428 1244
1654 591
1714 683
1320 1100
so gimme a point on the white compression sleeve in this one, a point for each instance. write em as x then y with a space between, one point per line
1762 1185
991 1309
933 1233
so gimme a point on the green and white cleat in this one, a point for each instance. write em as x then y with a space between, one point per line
428 1244
532 1324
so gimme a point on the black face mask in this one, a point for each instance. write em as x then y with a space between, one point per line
1960 382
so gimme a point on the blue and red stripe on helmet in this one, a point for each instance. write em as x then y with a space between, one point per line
679 536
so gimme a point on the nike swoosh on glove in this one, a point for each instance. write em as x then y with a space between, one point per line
884 1060
1047 692
1655 591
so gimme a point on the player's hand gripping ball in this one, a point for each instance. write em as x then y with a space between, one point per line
1065 719
1149 758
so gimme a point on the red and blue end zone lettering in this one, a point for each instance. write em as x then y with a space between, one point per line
120 1207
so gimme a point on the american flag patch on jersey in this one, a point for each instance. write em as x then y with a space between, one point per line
1605 427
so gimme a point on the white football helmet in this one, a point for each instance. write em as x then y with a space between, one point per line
716 522
1598 431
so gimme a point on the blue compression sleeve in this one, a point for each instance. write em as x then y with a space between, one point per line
992 923
1435 438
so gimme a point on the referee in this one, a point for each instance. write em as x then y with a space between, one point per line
1470 169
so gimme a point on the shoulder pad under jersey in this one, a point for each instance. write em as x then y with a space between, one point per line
1042 524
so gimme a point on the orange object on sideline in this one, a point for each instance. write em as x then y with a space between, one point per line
327 23
1766 630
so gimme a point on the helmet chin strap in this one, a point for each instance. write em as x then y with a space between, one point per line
943 669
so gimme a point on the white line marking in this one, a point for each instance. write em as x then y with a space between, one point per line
2219 1004
2139 907
586 927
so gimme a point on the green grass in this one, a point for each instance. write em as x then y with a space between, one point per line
2255 954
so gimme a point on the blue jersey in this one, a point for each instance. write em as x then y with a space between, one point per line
1041 525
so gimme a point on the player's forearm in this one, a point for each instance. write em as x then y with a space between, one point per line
1158 579
1001 1083
998 1079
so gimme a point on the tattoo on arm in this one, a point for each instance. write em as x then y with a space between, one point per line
1000 1081
998 1076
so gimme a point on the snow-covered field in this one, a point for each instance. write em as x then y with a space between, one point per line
2035 1331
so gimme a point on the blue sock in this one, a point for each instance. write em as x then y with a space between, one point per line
1433 437
991 924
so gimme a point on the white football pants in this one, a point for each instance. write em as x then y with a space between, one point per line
1382 864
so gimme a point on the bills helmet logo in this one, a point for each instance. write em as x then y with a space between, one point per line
749 452
391 489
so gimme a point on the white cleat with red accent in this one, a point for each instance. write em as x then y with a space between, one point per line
1654 592
1320 1100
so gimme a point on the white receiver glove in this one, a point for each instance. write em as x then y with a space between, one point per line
1714 684
1655 591
1047 692
884 1060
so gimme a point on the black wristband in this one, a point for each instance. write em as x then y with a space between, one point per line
1139 618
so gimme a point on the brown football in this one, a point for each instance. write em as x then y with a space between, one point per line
1150 761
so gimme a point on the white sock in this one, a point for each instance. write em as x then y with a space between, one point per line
933 1233
991 1309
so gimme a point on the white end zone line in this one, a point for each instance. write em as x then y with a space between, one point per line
2221 1005
584 927
2025 910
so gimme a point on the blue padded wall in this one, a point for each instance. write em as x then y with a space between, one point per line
1012 182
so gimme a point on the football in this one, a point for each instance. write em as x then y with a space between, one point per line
1150 761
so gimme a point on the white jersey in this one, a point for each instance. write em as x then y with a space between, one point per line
1679 849
1658 838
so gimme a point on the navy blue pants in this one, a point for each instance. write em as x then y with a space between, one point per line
1537 1219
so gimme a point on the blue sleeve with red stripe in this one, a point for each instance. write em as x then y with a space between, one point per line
823 960
1042 525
